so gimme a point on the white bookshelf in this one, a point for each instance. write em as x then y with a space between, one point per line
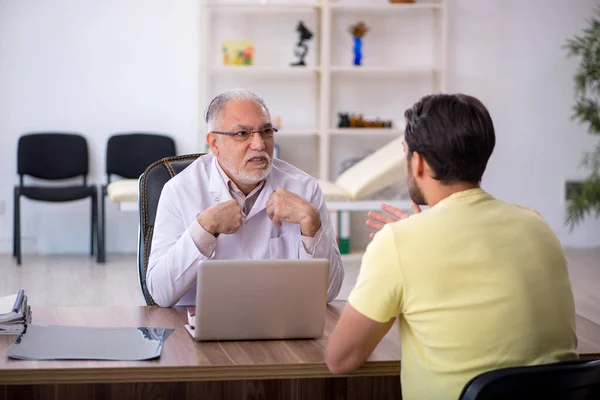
404 59
259 6
264 70
380 69
329 78
372 6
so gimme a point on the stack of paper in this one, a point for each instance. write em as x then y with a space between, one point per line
15 314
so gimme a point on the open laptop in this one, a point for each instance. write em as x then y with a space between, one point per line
260 299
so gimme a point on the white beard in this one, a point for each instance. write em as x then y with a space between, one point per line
244 177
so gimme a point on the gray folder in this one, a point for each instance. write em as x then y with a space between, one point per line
39 342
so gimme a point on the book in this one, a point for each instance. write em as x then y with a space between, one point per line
191 316
15 313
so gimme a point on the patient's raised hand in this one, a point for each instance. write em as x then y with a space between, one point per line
377 220
223 217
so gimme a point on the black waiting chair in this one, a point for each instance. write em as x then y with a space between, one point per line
53 156
568 380
150 187
127 156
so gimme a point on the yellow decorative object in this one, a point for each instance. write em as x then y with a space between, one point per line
238 52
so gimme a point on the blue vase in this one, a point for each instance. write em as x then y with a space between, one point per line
357 51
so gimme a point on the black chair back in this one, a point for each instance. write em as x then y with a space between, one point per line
52 155
128 155
569 380
151 184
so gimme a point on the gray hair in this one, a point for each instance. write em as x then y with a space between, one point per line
213 112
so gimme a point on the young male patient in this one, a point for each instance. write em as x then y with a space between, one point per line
476 283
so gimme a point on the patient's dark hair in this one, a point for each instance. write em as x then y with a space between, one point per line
453 133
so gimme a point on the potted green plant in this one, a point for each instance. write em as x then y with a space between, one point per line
586 47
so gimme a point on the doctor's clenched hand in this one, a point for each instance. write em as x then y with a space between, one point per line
223 217
289 207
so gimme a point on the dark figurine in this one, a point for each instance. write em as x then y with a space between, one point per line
344 120
301 48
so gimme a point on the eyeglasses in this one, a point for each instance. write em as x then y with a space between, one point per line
241 136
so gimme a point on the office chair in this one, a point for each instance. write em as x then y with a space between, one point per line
568 380
53 156
127 156
150 187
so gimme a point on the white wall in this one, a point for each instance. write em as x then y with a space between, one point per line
104 67
508 53
96 67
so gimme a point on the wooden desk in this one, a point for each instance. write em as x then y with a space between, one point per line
212 370
189 369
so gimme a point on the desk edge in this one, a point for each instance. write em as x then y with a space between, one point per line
185 374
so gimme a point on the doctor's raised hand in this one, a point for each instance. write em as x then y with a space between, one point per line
288 207
223 217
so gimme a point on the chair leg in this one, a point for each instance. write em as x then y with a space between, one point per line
92 225
17 226
102 229
15 223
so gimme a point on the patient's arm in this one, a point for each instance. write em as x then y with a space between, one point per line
352 341
378 220
375 302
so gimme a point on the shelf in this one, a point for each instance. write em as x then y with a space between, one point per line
262 7
386 7
289 133
367 205
365 131
352 257
309 69
364 205
266 70
270 5
381 70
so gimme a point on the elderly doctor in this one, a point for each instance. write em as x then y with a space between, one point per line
237 203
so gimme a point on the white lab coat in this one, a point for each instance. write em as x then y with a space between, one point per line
172 266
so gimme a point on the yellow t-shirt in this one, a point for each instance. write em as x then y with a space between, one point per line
477 284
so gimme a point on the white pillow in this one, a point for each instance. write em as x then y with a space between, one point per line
124 190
